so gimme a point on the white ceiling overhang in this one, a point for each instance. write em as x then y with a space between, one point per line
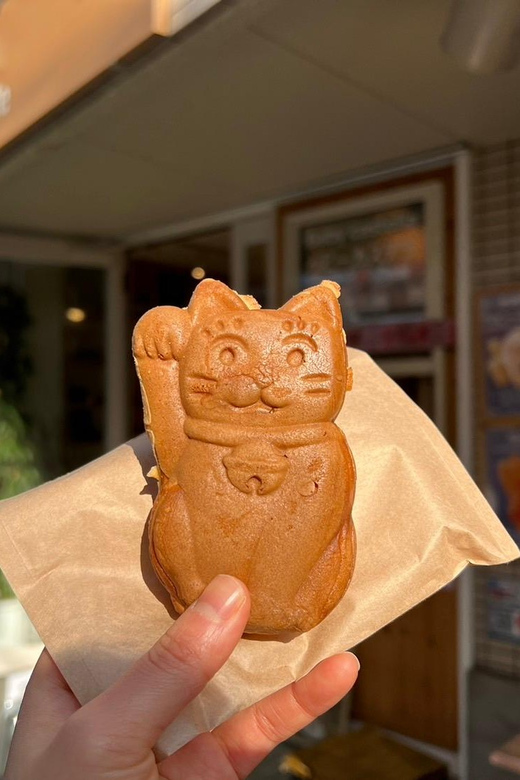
267 98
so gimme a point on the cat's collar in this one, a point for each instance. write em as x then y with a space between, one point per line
226 435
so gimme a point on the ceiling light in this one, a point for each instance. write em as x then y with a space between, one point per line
198 272
483 35
75 315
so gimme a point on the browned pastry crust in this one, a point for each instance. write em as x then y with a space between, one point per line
255 480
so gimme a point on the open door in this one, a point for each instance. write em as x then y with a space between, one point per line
408 682
390 245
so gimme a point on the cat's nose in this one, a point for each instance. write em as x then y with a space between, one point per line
262 378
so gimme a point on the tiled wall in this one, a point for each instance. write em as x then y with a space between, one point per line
496 261
496 204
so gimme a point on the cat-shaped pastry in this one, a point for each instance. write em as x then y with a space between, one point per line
255 480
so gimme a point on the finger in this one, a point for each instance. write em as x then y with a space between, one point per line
149 345
253 733
236 747
138 346
47 704
135 711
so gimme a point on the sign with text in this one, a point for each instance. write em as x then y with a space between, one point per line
503 610
403 338
379 259
499 343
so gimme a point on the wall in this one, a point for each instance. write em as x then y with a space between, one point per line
496 261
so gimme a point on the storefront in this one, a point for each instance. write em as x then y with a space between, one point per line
390 243
422 275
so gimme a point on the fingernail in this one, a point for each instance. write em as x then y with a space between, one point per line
221 600
356 659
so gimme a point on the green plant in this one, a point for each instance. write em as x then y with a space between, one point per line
5 588
15 363
18 469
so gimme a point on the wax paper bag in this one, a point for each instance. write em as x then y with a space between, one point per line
75 552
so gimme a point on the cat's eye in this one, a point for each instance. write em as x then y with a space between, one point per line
295 357
227 356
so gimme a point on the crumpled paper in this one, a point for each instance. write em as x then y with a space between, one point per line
75 552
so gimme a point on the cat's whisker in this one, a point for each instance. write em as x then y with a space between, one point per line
205 377
317 391
200 384
317 377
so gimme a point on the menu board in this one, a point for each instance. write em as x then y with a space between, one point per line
379 259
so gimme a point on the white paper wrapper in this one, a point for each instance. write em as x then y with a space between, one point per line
75 552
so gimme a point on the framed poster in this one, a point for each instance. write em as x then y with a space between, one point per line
502 479
498 341
378 258
390 247
386 250
503 610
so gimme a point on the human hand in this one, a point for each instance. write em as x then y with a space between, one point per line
111 737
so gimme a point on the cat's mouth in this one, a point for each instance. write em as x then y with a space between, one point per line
256 406
253 398
244 393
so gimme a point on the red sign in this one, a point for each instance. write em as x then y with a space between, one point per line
407 337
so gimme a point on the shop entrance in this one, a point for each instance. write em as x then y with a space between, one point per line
166 275
54 380
390 247
409 679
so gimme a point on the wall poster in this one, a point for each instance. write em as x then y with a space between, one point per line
502 455
499 318
379 259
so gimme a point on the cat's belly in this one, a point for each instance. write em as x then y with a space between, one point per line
291 525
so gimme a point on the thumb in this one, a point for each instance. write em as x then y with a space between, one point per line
137 709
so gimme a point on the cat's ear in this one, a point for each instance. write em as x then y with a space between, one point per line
211 298
319 302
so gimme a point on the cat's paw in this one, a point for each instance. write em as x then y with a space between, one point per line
159 332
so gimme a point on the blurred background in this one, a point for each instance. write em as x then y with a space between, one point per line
146 144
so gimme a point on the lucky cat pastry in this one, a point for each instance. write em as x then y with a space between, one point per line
255 480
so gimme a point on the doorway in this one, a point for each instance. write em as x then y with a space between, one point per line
52 327
390 245
409 684
166 275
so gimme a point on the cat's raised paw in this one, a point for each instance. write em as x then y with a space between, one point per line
157 334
